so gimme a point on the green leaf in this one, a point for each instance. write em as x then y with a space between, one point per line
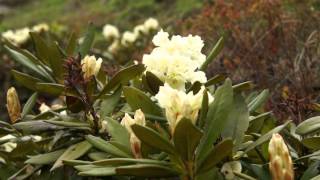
256 122
123 77
35 126
308 126
29 104
243 86
26 80
153 82
88 41
265 137
258 101
213 53
146 170
312 171
41 48
99 171
50 88
238 122
25 61
126 161
98 156
217 117
118 132
109 103
220 151
312 143
215 80
72 44
153 138
68 123
106 146
204 109
139 100
56 60
186 138
47 158
73 152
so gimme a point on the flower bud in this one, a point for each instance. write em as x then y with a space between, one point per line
128 38
280 164
13 105
127 122
90 66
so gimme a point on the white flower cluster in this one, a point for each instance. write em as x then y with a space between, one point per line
112 33
179 104
20 36
176 61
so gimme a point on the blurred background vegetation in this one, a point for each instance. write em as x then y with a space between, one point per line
274 43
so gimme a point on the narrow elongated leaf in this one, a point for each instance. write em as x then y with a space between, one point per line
87 43
138 100
186 138
47 158
106 146
25 61
220 151
110 102
243 86
73 152
238 121
153 82
217 117
213 53
35 126
152 138
146 170
26 80
72 44
312 171
41 48
312 143
204 109
118 132
29 104
265 137
56 60
258 101
50 88
99 171
124 161
309 126
215 80
123 77
68 123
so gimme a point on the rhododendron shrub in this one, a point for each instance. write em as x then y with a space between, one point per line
158 117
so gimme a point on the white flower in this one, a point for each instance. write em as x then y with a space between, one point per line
151 24
44 108
17 37
176 61
128 38
110 32
178 104
90 66
40 27
229 168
